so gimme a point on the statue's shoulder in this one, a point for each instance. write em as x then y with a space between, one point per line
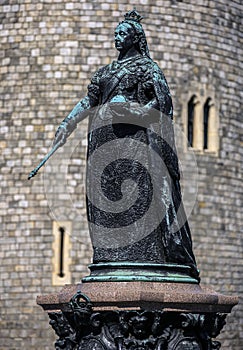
144 61
99 74
148 65
156 68
157 73
102 69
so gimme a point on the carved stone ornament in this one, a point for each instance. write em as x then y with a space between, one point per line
84 329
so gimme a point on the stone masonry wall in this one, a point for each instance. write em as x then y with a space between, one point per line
49 50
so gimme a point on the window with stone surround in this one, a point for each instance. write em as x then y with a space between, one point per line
192 120
61 259
201 121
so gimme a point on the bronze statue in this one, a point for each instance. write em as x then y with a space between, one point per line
134 103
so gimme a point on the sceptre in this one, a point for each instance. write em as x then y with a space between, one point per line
52 151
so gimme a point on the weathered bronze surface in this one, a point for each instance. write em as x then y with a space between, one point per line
130 108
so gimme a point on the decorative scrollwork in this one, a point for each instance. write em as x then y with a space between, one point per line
83 329
63 329
82 309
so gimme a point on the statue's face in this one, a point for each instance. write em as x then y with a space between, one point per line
124 37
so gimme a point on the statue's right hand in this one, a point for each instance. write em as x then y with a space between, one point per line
61 135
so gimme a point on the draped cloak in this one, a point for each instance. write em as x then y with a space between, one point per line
134 204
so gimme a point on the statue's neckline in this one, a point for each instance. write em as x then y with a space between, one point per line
128 59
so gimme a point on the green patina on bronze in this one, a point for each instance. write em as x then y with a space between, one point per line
143 272
129 101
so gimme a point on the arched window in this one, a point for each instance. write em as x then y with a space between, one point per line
201 121
190 119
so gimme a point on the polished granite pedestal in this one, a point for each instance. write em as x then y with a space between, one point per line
137 315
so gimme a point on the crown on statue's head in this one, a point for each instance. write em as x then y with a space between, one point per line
133 15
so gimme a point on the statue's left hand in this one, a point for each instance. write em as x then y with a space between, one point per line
137 110
145 113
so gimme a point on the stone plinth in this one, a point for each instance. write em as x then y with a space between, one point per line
142 295
137 315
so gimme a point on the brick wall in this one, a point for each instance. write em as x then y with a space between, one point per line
49 50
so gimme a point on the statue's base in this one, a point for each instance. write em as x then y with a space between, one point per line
142 272
137 315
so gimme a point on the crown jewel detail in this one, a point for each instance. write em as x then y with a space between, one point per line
133 15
